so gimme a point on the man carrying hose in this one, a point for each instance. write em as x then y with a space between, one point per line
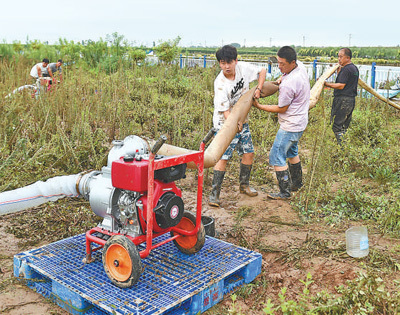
292 109
344 96
41 70
231 83
55 68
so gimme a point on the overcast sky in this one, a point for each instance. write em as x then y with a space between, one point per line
207 22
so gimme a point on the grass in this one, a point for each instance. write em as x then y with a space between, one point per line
70 130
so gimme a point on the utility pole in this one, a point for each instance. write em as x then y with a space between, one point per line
270 42
244 44
304 41
349 40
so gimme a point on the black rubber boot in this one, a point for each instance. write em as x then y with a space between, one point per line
284 185
216 188
339 137
244 179
296 175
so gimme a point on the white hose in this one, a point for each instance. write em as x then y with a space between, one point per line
66 186
21 88
38 193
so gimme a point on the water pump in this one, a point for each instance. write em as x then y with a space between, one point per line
138 199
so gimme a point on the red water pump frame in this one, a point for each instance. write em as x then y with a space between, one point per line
196 157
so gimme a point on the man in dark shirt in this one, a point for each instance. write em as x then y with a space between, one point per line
56 67
344 96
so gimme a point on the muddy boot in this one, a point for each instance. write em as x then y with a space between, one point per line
216 188
244 178
339 137
284 185
296 175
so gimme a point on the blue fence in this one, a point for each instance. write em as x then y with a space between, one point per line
371 74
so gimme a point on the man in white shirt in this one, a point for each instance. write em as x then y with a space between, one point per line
231 83
41 70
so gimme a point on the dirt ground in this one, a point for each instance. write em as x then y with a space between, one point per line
290 247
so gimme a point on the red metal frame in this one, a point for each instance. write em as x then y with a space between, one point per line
198 158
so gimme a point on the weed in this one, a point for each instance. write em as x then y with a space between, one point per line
366 294
242 212
234 308
101 99
313 247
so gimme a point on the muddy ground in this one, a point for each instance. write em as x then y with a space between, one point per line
291 248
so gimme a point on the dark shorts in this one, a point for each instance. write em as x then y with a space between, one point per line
342 110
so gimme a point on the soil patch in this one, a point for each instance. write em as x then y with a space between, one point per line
291 248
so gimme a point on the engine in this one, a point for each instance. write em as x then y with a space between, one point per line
119 192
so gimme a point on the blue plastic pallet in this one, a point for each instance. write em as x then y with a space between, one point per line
171 283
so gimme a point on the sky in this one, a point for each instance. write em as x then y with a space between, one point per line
206 22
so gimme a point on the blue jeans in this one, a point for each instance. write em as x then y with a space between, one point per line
284 147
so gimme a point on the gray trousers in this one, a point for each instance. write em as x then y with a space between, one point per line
342 110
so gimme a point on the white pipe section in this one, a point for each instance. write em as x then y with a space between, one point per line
21 88
41 192
67 186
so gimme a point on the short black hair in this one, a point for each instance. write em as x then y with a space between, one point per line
287 53
46 60
60 60
347 52
227 53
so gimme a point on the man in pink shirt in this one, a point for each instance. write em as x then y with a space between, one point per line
292 109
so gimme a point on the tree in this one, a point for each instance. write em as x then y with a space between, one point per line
137 55
115 41
168 50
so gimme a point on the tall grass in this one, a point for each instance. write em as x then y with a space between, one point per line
69 130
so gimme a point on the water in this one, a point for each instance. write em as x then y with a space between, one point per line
357 241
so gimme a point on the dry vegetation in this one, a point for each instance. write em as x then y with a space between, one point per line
305 266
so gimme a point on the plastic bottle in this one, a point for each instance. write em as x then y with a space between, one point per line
357 241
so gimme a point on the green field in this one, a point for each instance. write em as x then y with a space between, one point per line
106 95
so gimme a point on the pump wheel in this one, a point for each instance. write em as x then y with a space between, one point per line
121 261
189 244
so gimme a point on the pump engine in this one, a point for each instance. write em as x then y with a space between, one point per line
119 194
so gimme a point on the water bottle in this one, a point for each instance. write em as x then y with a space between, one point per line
357 241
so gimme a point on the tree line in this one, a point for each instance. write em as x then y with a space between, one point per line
115 51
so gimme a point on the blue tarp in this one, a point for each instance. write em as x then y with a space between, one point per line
388 93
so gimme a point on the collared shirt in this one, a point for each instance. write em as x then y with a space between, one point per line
294 91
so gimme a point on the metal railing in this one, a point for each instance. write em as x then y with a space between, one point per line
371 74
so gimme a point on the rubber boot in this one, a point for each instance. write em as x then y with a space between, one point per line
339 137
244 179
216 188
296 174
284 185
